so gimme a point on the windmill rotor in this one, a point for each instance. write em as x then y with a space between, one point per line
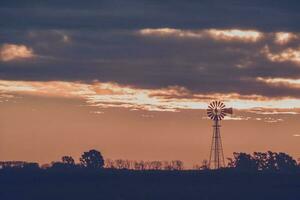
217 111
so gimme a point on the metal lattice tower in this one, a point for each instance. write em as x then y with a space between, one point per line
217 111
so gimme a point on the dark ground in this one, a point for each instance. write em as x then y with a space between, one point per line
144 185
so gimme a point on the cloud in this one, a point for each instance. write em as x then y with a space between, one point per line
170 32
152 62
283 38
9 52
147 116
273 120
281 82
296 135
264 111
97 112
129 45
105 95
215 34
237 118
66 39
245 117
236 34
134 14
289 54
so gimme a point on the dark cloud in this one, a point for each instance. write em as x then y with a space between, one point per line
78 41
116 14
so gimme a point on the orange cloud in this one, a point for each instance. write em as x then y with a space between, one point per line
291 83
167 32
296 135
216 34
289 54
235 34
10 52
171 99
265 111
284 37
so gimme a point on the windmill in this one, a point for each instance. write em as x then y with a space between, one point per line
217 111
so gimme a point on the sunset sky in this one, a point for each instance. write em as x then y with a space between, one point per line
133 78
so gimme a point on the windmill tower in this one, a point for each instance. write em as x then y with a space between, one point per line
217 111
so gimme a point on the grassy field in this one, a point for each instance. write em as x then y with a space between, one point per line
144 185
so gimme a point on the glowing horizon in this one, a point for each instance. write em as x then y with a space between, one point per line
166 99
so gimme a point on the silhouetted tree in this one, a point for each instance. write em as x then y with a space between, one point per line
196 167
243 162
92 159
18 165
122 164
177 165
139 165
156 165
167 165
12 164
109 163
261 160
46 166
268 161
66 163
31 166
204 165
136 165
68 160
285 162
271 161
58 165
173 165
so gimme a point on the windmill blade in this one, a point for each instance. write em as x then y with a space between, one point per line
223 105
214 104
209 113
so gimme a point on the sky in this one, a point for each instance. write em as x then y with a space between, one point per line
133 78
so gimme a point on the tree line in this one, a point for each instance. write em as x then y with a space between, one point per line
93 159
263 161
144 165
